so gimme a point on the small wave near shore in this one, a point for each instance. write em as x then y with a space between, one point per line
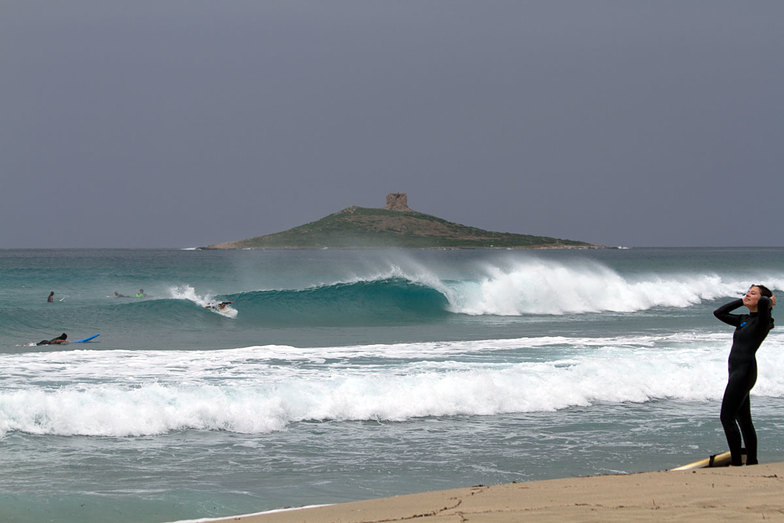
266 388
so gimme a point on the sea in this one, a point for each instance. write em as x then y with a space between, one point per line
342 375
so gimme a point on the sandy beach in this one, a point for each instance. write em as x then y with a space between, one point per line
727 493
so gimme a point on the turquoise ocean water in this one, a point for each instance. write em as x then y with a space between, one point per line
346 375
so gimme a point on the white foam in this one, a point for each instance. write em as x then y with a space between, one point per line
252 514
539 287
266 388
186 292
207 301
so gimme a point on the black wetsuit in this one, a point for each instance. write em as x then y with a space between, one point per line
60 339
750 330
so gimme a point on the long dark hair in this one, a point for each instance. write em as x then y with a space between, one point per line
764 291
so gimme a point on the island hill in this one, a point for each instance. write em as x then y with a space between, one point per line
395 225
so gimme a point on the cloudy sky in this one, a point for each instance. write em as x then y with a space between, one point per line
182 123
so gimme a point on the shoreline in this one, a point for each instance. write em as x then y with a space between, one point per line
722 492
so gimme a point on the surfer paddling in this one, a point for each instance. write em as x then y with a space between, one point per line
61 339
750 331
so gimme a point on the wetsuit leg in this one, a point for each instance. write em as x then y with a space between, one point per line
749 434
735 396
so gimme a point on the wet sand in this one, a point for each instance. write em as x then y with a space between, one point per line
738 493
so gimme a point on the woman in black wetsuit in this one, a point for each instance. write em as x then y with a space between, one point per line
750 330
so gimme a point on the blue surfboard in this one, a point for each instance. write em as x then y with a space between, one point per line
86 339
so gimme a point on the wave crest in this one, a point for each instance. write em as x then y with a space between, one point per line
523 288
539 287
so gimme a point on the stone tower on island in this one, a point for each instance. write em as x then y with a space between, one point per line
397 201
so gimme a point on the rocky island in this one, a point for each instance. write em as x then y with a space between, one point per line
394 225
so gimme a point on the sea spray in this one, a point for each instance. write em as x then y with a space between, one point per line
546 287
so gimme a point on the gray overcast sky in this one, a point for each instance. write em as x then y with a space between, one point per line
181 123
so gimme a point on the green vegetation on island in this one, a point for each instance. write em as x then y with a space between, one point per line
367 228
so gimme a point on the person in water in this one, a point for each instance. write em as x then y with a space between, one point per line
219 306
750 330
62 338
50 299
140 294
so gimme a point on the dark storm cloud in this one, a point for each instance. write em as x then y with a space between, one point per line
184 123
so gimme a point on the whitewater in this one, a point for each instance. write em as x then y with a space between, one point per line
344 375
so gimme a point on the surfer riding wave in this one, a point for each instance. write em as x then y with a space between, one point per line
219 306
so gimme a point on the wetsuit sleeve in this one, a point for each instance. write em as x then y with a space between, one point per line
723 313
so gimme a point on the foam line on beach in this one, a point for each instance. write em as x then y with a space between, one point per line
254 514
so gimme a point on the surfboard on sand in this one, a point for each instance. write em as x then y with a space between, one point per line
716 460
